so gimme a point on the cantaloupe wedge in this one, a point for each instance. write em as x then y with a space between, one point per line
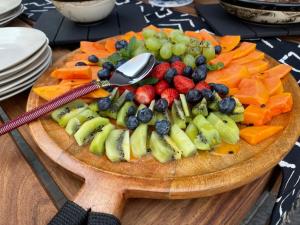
273 85
91 47
280 103
191 34
252 56
80 72
256 115
278 71
257 66
204 35
224 58
229 42
110 45
255 135
244 49
52 91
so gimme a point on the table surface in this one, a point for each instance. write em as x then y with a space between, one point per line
25 200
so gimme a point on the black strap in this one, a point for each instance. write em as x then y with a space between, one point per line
102 219
70 214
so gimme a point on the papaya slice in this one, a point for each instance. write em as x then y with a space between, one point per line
91 47
110 45
74 82
273 85
233 91
279 71
206 36
128 36
229 42
257 66
193 34
99 93
95 70
253 56
80 72
252 91
244 49
73 63
84 56
280 103
255 135
229 76
256 115
225 58
152 27
50 92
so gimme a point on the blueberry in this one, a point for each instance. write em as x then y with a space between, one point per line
80 64
199 73
104 103
208 95
108 65
103 74
200 60
188 71
170 74
93 59
109 88
121 44
120 63
145 115
218 49
193 96
219 88
132 122
161 105
175 58
129 97
131 110
162 127
227 105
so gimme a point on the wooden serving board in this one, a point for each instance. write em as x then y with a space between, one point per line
108 185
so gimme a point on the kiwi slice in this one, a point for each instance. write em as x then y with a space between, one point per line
160 149
75 123
200 108
207 130
177 153
63 121
122 114
60 112
239 117
138 141
182 141
88 130
94 107
98 144
239 108
199 140
117 145
153 120
227 128
118 102
185 105
214 105
178 116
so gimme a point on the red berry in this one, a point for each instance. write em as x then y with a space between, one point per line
202 85
128 87
170 94
160 70
183 84
161 86
145 94
179 66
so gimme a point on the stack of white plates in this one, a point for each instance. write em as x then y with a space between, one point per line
9 10
24 57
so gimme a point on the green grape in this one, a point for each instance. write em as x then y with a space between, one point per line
161 35
155 53
179 49
140 43
163 41
174 35
153 44
147 33
209 52
189 60
139 50
166 50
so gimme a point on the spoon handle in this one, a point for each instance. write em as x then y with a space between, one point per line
31 115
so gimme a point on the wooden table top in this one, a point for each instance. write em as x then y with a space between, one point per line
24 199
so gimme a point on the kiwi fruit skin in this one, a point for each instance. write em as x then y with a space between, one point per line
60 112
182 141
138 141
122 114
88 130
160 150
239 117
178 117
117 145
97 145
200 108
214 105
177 153
63 121
185 105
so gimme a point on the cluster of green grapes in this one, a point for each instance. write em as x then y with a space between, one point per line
165 46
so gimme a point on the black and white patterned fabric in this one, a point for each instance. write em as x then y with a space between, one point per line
283 51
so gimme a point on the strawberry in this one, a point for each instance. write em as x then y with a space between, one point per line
170 94
145 94
179 66
160 70
161 86
183 84
202 85
128 87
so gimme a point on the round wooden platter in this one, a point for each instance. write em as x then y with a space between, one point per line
107 184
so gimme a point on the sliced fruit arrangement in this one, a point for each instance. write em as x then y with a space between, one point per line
200 89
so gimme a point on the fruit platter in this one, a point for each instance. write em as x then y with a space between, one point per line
213 114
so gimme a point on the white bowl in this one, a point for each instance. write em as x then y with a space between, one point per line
86 11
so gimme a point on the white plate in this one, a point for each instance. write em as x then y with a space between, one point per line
7 5
25 63
3 23
18 44
33 66
19 88
12 15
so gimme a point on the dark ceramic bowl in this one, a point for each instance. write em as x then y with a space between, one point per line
264 11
